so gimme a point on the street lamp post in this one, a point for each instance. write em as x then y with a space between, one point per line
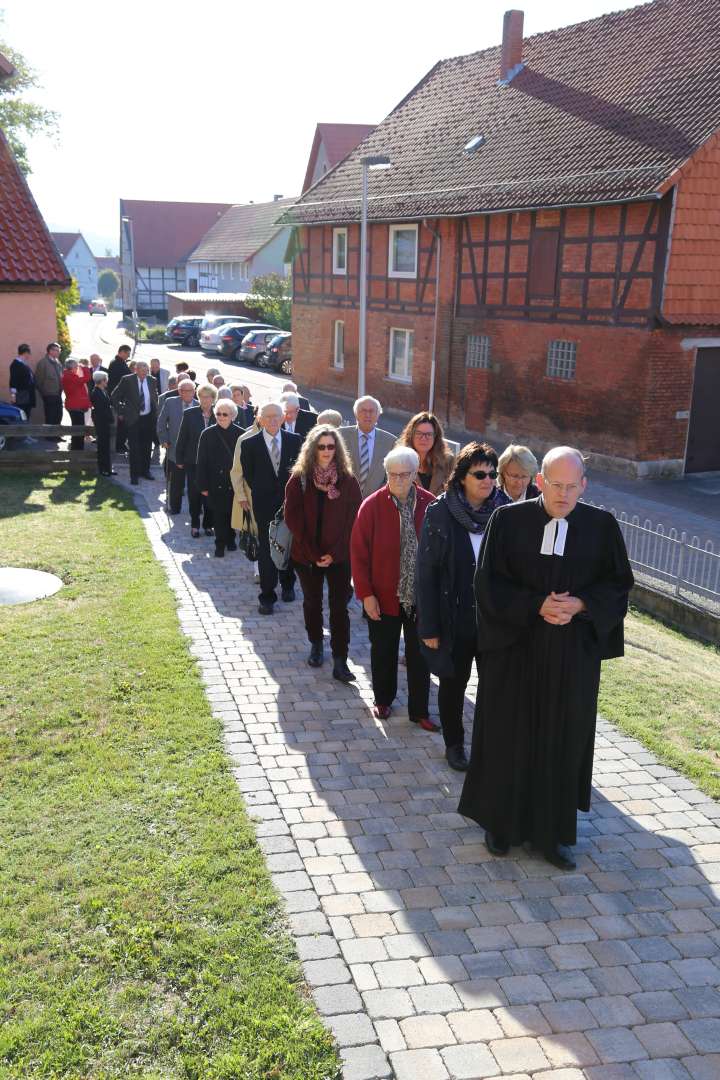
370 161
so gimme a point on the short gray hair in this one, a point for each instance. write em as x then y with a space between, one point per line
99 376
210 372
289 386
289 398
524 457
559 452
270 405
142 363
331 417
227 403
224 392
402 455
364 401
206 388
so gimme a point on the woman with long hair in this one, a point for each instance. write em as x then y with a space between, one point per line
322 498
424 434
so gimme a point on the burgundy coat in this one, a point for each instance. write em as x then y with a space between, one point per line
338 516
375 546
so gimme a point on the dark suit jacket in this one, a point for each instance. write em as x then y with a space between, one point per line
22 381
268 490
304 403
192 426
216 450
304 421
102 410
90 382
126 399
116 369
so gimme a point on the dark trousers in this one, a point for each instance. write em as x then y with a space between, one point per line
338 579
451 695
175 485
139 436
197 502
269 573
52 404
77 418
221 506
120 436
384 645
102 436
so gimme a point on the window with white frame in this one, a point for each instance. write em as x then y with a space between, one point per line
477 351
339 251
561 357
339 344
401 355
403 251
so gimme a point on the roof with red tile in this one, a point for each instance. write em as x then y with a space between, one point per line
64 241
338 140
108 262
602 111
27 253
165 233
241 231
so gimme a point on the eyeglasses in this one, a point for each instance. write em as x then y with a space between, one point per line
399 475
424 434
226 414
479 474
562 489
326 446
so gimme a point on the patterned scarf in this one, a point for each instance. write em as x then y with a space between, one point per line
408 551
327 478
474 520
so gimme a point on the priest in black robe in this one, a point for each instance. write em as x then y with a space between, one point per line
551 586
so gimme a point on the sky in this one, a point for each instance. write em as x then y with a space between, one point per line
218 101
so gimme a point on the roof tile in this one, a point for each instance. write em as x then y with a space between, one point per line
241 231
165 233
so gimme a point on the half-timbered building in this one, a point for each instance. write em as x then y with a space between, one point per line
544 247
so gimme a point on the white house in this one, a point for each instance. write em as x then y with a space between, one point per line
79 262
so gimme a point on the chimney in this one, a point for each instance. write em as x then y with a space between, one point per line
277 198
512 42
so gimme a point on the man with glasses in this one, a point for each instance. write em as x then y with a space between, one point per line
367 445
552 591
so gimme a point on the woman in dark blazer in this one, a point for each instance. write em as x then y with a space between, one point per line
192 425
322 498
447 555
102 418
216 450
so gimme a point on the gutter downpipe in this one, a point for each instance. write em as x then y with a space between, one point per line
433 362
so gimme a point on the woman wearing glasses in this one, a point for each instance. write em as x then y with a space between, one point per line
447 557
216 448
322 498
517 468
424 434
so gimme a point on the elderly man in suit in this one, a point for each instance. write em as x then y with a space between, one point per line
266 460
168 429
368 445
296 420
136 402
291 387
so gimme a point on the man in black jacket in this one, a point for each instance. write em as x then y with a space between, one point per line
22 380
117 369
194 422
102 418
267 459
135 400
296 420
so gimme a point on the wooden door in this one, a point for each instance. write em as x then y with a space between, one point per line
703 448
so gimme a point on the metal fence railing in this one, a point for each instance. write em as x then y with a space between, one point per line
676 562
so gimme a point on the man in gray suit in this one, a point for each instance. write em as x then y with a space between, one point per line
367 445
168 428
135 399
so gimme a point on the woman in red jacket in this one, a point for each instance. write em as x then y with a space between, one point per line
77 400
384 550
321 501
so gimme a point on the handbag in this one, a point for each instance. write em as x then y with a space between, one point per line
280 537
247 540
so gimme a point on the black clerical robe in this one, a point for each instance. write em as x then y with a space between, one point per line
534 731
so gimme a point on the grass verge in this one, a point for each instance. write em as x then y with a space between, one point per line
139 931
665 692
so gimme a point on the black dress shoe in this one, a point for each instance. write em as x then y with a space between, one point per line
219 551
288 595
341 671
562 857
232 546
209 532
496 845
457 758
266 609
194 533
148 476
316 656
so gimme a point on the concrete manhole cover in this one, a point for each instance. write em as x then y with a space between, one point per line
20 586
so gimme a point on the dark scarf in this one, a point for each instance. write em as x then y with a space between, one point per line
475 521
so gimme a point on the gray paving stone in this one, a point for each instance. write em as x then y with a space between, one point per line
661 1069
421 1032
616 1045
705 1067
568 1015
438 998
391 973
568 1049
516 1020
388 1004
663 1040
337 999
615 1011
418 1065
703 1034
365 1063
660 1005
326 972
518 1055
471 1061
352 1029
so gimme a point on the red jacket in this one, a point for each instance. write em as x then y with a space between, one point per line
338 516
375 546
74 385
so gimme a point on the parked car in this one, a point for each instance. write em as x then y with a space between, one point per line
184 329
10 414
97 307
211 327
278 353
252 350
232 338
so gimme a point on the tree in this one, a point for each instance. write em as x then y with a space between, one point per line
22 119
65 301
108 284
271 298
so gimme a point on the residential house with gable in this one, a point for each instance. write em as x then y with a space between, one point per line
79 261
245 243
31 270
544 249
331 143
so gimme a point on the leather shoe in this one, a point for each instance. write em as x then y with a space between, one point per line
209 532
266 609
316 656
194 533
425 723
148 476
496 845
232 546
562 857
219 551
341 671
381 712
288 595
457 758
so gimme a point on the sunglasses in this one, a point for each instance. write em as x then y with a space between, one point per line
326 446
479 474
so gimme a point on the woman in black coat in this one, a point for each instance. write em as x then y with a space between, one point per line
447 556
216 450
102 418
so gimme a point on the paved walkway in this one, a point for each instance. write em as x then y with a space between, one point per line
428 958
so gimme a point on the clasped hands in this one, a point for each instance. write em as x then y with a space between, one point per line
560 608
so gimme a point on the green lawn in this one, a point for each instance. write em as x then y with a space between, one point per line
139 931
665 692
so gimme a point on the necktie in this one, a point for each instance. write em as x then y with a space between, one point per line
142 396
276 454
364 460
